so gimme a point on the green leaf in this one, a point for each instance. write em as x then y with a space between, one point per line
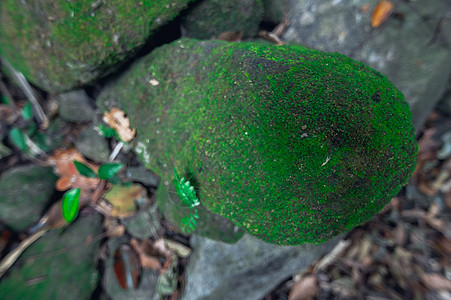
107 171
18 139
107 132
185 191
27 111
5 100
70 204
84 170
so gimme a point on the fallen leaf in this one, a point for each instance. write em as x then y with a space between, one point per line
63 163
123 199
148 261
304 289
231 36
117 120
436 281
179 249
381 13
127 267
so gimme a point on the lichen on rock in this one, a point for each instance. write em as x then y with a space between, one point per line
291 144
59 45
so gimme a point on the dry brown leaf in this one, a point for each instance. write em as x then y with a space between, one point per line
231 36
117 120
147 261
436 281
179 249
63 163
381 13
162 248
305 289
113 228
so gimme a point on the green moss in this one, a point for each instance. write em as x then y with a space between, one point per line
291 144
60 44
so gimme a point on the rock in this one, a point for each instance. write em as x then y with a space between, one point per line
25 192
247 270
144 224
62 44
59 265
74 107
413 55
142 175
209 18
274 10
92 145
147 288
291 144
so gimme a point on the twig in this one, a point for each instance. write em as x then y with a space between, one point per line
27 89
116 151
9 259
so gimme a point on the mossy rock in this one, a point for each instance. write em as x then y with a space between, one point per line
59 265
60 44
209 18
293 145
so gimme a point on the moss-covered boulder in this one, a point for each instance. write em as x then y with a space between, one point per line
293 145
61 44
209 18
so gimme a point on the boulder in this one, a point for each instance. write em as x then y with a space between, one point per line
292 145
61 44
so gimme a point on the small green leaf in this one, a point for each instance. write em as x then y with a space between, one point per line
185 191
107 171
18 139
84 170
5 100
27 111
70 204
107 132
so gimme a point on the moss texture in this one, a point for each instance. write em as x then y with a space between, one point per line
61 44
209 18
293 145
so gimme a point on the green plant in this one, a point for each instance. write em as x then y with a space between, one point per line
71 198
186 193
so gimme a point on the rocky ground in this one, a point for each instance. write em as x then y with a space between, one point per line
402 253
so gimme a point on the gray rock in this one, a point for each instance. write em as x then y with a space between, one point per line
25 192
407 51
445 102
147 288
208 19
59 265
141 174
74 107
247 270
144 224
274 10
92 145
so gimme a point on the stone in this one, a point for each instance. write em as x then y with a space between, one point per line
413 52
61 45
74 107
59 265
144 224
247 270
208 19
92 145
147 288
290 144
142 175
25 192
